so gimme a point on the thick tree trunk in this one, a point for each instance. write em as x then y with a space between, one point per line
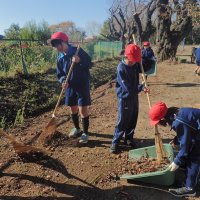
169 35
143 22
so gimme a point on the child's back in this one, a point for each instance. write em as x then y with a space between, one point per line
147 53
197 54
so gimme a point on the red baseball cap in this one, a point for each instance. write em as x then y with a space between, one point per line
133 53
157 112
60 36
146 43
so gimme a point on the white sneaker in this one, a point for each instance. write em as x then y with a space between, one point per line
84 138
74 132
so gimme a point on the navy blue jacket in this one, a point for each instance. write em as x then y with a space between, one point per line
197 54
80 75
187 127
148 54
127 82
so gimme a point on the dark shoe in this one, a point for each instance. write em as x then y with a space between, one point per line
84 138
130 143
114 148
183 192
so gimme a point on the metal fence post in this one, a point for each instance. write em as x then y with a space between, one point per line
22 57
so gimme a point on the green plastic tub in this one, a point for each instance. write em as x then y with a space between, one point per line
164 177
153 70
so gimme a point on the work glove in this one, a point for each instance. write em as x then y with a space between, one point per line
173 167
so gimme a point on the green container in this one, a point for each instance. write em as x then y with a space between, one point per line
153 70
164 177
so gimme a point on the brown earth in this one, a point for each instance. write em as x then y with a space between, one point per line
72 171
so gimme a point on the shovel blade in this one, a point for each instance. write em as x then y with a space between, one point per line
48 131
51 127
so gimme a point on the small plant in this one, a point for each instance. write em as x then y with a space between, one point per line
3 122
19 119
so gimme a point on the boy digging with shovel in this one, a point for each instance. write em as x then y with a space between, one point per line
78 87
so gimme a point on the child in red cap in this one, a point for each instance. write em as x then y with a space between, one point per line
148 57
186 123
78 87
127 89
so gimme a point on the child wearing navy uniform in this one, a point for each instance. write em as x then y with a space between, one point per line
127 89
186 123
78 87
197 57
148 57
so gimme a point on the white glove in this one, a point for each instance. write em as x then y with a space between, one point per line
173 167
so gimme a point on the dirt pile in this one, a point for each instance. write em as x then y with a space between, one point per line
134 167
60 139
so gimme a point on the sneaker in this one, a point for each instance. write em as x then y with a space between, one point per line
74 133
130 143
114 148
183 192
83 138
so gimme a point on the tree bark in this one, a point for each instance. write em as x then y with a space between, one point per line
169 35
138 22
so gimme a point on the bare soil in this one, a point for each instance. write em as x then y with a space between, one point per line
73 171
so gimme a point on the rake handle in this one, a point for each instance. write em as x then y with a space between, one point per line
158 141
145 83
66 81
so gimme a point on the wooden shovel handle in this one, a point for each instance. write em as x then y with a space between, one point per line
160 152
143 75
66 81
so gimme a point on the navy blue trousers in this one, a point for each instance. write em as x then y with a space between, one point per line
193 165
127 118
192 172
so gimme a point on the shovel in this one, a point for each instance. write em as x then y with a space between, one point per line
50 129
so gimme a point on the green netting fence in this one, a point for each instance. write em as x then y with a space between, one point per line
100 50
30 57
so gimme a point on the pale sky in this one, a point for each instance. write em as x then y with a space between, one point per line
53 11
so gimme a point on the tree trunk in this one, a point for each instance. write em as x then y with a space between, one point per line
169 35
